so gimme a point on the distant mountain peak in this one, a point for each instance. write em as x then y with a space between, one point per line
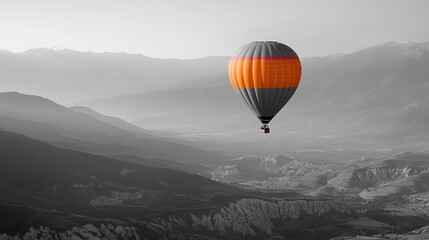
404 46
18 97
265 157
59 48
4 51
83 109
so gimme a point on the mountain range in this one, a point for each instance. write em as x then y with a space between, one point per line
378 95
69 76
375 97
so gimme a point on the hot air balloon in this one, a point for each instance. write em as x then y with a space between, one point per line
265 75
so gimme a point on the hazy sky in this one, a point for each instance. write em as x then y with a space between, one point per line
199 28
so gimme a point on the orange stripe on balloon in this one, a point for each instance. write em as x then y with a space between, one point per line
264 73
267 57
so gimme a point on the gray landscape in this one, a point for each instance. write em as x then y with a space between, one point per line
117 144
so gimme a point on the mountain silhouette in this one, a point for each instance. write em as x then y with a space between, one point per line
47 121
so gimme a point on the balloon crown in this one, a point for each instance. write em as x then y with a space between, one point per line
264 42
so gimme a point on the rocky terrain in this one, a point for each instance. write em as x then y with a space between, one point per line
86 232
85 194
243 219
394 175
259 168
418 234
250 216
90 190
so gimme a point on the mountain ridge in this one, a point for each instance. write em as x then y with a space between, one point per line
48 121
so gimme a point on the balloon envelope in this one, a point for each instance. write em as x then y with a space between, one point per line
265 75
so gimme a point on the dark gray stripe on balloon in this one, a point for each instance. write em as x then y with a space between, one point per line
268 49
265 109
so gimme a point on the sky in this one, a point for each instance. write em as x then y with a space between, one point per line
188 29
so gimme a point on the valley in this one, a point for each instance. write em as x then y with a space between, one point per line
303 199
